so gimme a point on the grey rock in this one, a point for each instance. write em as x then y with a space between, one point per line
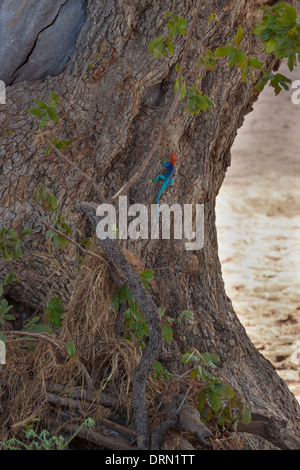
37 37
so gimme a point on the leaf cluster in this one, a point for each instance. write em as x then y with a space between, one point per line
216 400
46 111
163 46
48 202
280 31
44 441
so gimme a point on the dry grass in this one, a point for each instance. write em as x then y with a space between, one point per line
103 357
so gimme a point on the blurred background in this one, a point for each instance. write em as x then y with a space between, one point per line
258 220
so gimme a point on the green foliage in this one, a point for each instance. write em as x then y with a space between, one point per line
280 31
176 25
46 111
185 314
48 202
236 56
10 243
70 347
46 199
163 46
216 400
32 326
209 60
59 144
213 17
44 441
4 315
277 81
134 317
54 311
197 101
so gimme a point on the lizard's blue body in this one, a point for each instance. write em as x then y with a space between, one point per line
167 178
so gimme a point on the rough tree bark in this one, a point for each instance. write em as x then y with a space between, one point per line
113 113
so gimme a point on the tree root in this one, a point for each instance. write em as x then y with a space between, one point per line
149 309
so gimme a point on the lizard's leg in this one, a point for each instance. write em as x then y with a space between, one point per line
159 177
171 181
165 164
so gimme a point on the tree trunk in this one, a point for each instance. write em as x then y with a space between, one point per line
113 112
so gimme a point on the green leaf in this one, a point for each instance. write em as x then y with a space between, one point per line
239 35
54 310
70 347
246 415
185 314
43 121
10 277
182 93
270 46
255 63
40 104
9 317
26 232
158 369
231 58
224 390
189 356
4 307
39 328
214 400
240 58
54 95
201 400
35 112
17 251
167 332
210 359
170 45
147 275
116 302
224 51
161 311
290 15
52 115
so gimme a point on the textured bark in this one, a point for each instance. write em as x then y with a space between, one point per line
113 115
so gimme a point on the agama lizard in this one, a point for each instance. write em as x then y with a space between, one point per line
167 179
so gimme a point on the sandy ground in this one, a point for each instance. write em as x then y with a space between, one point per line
258 218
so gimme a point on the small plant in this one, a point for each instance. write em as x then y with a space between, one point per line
134 318
280 32
48 202
216 400
46 111
10 243
44 441
54 311
163 46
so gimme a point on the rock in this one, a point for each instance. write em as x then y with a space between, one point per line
37 41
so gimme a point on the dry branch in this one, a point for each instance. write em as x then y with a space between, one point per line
105 433
149 309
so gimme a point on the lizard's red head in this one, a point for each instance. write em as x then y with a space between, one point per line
173 158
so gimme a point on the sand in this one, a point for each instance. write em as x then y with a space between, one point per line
258 220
